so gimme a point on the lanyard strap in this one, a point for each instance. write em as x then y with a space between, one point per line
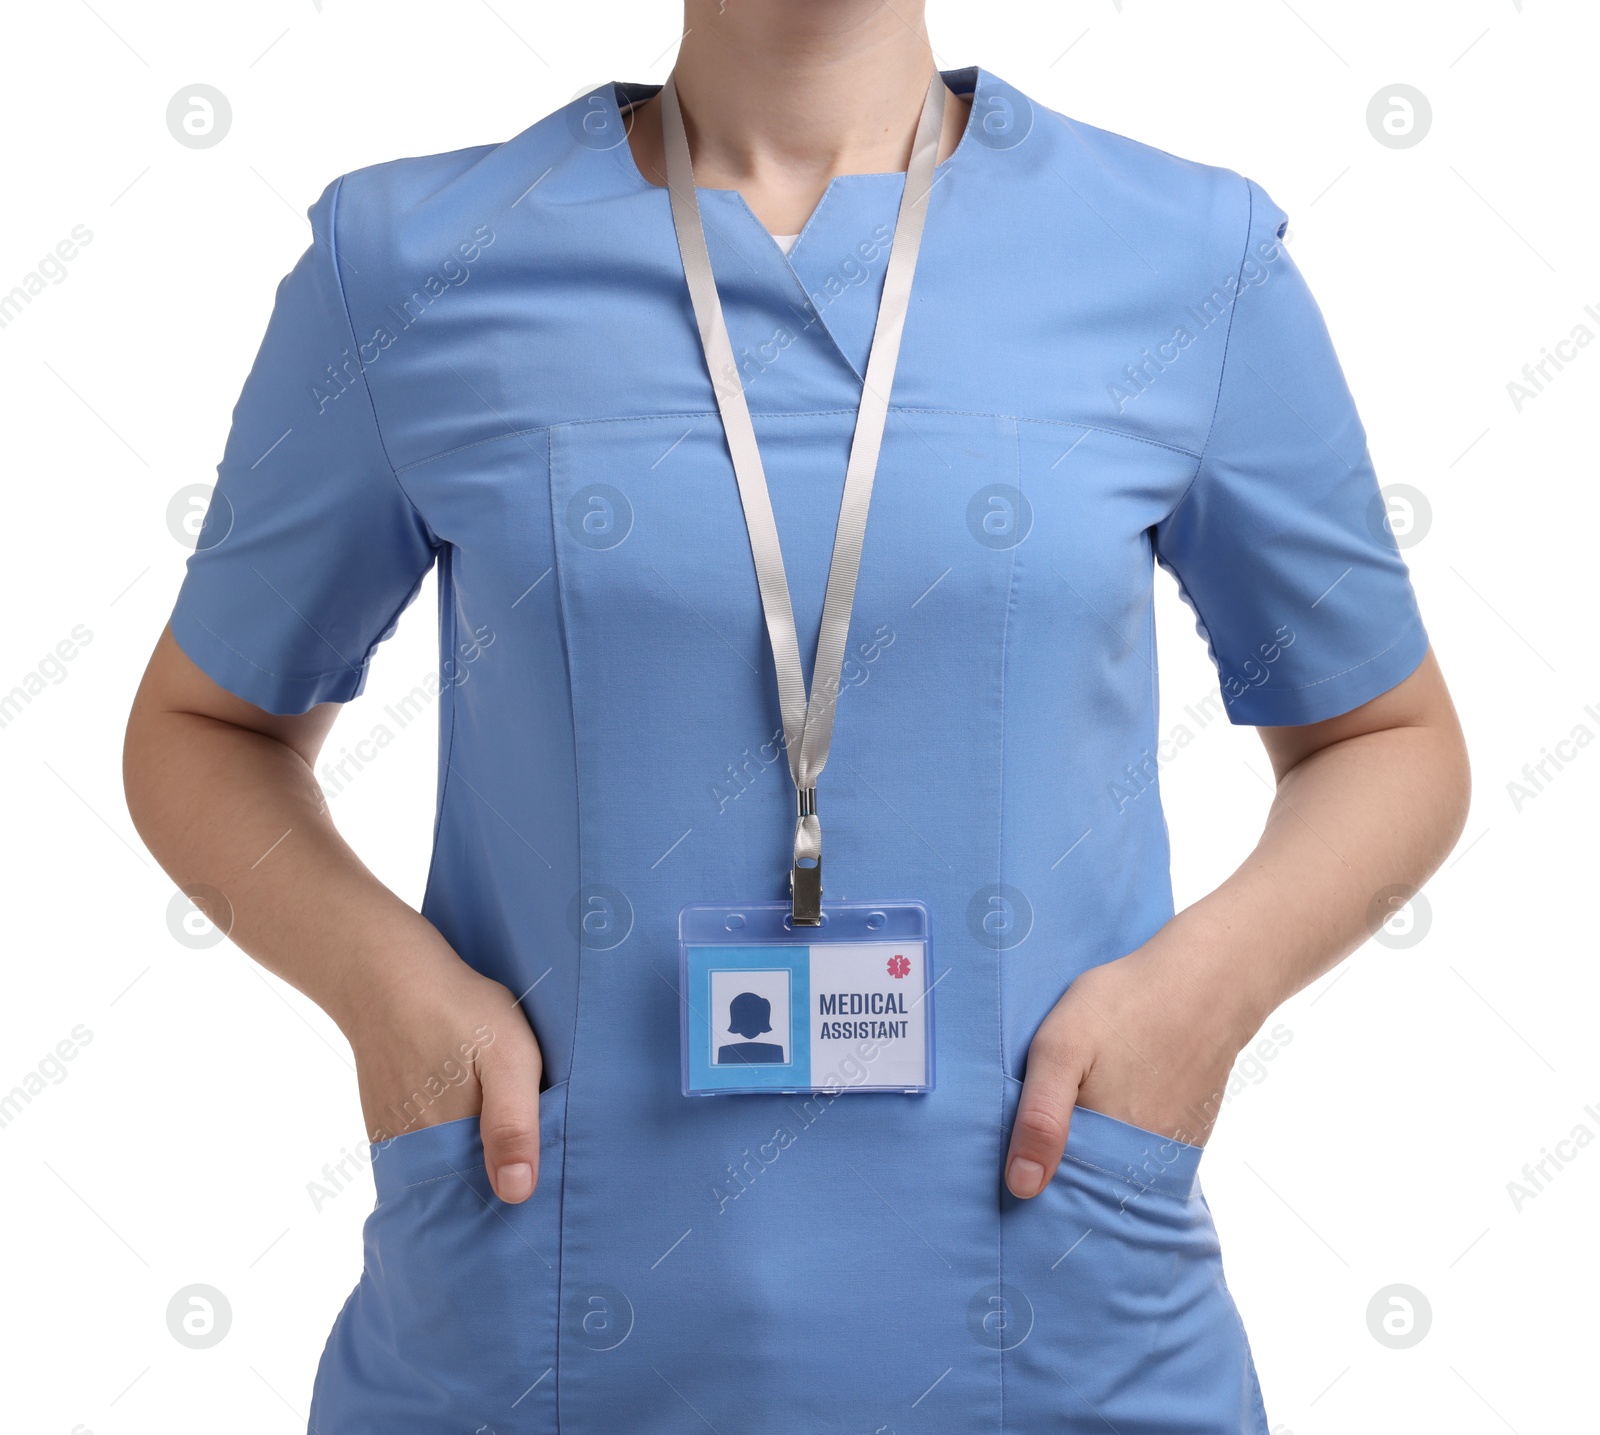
807 722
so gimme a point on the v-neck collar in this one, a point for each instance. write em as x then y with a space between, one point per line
849 203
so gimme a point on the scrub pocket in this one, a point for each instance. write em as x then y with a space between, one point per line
453 1324
1114 1307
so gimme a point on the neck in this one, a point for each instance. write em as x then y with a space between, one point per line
780 96
814 89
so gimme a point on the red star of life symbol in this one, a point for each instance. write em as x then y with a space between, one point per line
898 966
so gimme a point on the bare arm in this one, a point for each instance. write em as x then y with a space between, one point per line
1365 803
223 794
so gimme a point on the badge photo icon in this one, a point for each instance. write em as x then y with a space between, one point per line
749 1016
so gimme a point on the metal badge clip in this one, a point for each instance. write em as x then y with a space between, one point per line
805 888
805 877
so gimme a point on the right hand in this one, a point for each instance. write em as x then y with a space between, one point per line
451 1045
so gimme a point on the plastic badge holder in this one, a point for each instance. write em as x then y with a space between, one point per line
768 1007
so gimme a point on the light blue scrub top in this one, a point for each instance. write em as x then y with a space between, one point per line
487 363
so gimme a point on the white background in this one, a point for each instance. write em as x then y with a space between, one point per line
1417 1082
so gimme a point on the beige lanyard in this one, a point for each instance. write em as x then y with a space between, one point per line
807 722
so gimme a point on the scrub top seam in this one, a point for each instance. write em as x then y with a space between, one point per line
800 234
1200 460
446 597
1227 345
808 310
1121 1176
200 622
577 985
451 1174
999 964
758 415
1152 641
1078 424
366 387
1354 667
577 769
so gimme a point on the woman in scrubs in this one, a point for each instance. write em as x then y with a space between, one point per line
489 363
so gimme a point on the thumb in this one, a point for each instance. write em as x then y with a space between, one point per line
508 1071
1039 1132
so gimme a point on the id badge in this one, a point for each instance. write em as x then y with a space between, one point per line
771 1007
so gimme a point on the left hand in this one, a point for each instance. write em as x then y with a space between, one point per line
1147 1039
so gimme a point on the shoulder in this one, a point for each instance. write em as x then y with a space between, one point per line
1175 213
400 220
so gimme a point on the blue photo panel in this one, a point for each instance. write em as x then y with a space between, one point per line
747 1018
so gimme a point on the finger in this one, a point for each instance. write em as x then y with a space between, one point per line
1044 1113
509 1072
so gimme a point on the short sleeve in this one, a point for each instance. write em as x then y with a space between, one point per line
310 549
1281 544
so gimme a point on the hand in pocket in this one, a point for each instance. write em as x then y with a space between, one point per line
450 1045
1136 1039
